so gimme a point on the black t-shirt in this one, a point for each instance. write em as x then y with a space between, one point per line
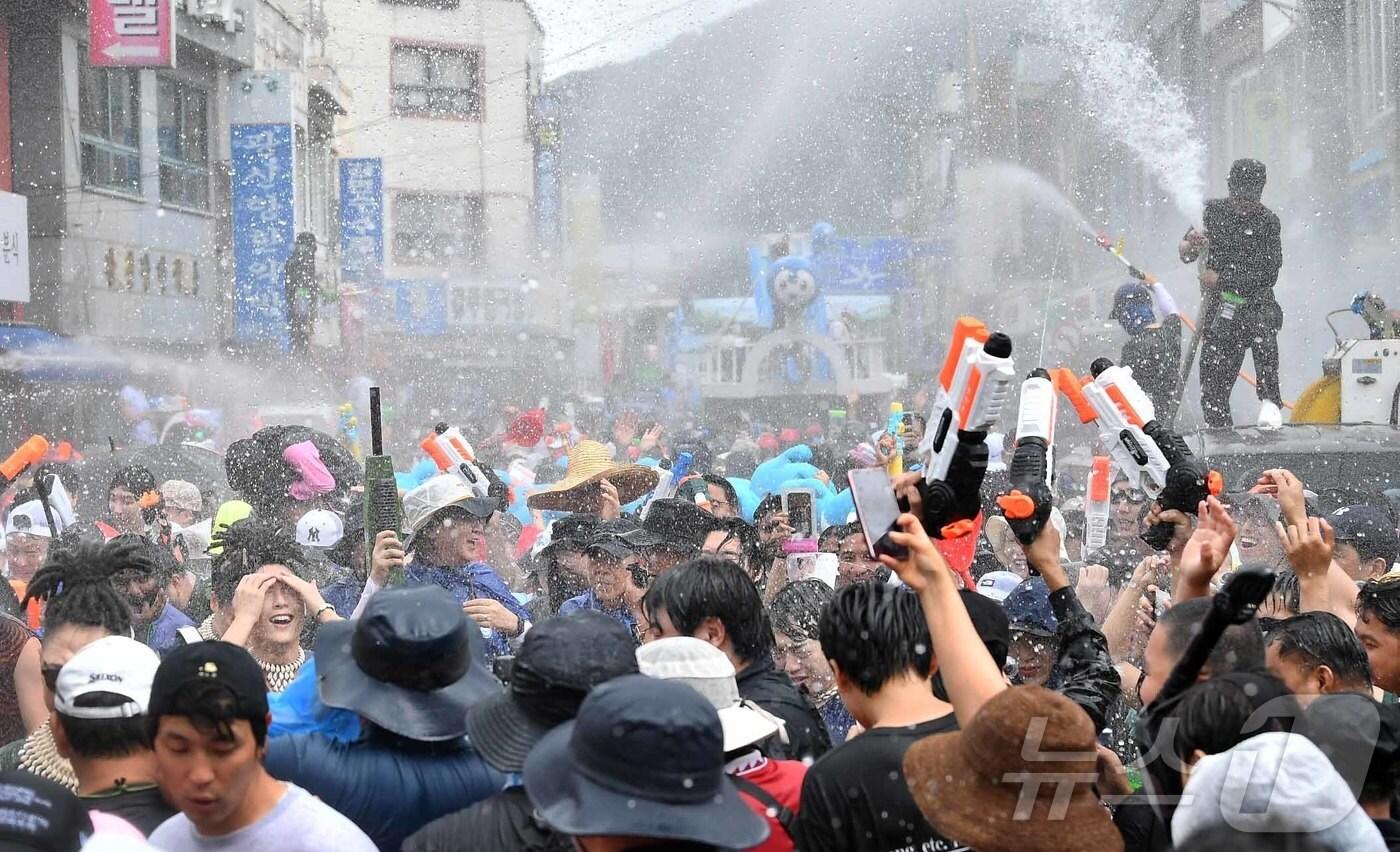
1390 833
143 807
1155 356
856 796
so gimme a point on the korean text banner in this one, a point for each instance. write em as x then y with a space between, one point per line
264 230
362 220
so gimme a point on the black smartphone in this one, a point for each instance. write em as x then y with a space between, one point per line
877 509
798 505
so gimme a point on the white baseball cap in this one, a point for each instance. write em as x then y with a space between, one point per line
707 670
997 585
28 519
320 528
113 664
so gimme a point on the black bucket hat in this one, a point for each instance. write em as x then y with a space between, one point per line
412 664
644 758
561 659
682 524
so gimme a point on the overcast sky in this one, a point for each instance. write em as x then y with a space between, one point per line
585 33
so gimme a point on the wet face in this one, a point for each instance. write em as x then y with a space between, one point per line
722 543
283 613
612 577
59 644
1034 654
1127 509
1382 646
206 776
664 559
1258 542
145 595
179 517
854 564
1300 679
720 504
456 538
660 626
26 554
804 662
125 510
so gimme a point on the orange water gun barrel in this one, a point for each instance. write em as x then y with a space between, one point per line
29 453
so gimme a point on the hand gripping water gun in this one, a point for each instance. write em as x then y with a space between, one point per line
451 453
1097 505
382 508
972 388
30 453
1026 504
1112 399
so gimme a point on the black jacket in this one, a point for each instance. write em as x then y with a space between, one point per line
1084 670
1245 246
762 683
504 822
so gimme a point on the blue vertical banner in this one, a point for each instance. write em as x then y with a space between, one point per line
264 230
362 220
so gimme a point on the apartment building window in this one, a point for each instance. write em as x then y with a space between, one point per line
1375 34
434 81
183 110
109 107
438 230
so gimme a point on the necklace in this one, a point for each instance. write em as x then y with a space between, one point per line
206 630
280 675
39 755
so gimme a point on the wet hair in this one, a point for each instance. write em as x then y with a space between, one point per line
1321 638
713 587
212 708
76 585
1287 593
94 739
724 485
162 564
1241 648
134 478
769 505
797 609
830 539
876 632
248 545
1218 714
1380 599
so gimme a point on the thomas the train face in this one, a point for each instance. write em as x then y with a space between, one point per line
794 288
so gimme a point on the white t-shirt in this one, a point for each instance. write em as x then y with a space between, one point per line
299 822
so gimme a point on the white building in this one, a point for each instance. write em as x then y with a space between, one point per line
442 94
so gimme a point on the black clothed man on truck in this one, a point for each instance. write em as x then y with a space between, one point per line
1243 256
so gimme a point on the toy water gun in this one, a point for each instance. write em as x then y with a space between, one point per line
669 475
451 453
382 508
30 453
972 388
1112 399
350 430
895 429
1026 504
1097 505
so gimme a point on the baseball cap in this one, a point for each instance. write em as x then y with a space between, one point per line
1028 608
113 664
210 663
320 528
998 584
28 519
38 814
708 671
179 494
1363 522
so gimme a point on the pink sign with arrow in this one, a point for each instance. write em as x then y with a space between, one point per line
139 33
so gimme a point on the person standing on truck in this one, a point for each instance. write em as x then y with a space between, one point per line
1243 258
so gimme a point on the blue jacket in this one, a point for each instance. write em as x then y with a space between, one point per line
388 786
472 582
588 600
164 633
343 592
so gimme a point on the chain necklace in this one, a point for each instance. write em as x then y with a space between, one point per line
39 755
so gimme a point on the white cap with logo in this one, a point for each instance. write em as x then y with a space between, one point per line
112 664
320 528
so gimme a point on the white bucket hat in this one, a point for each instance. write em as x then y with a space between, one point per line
707 670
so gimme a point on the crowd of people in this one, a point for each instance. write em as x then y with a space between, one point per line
635 638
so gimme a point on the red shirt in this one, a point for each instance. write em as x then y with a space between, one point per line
783 781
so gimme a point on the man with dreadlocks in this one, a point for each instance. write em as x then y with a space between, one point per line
81 605
259 601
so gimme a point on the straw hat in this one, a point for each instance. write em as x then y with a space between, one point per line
589 463
969 784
